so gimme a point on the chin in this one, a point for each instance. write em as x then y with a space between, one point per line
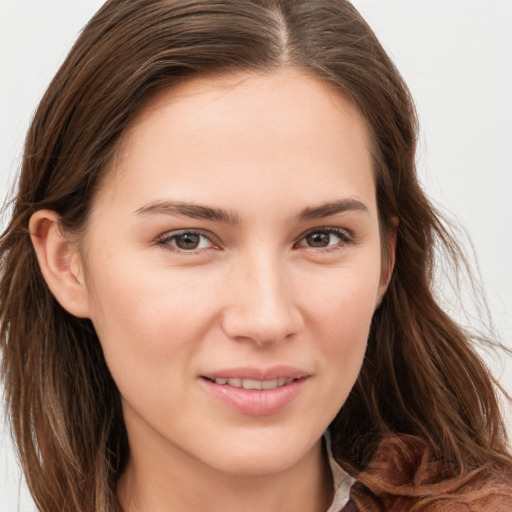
260 455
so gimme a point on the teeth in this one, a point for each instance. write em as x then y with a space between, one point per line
254 384
251 384
269 384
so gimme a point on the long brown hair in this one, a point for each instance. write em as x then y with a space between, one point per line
421 377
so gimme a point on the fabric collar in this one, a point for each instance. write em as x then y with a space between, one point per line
342 481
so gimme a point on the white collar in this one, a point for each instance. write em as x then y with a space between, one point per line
342 481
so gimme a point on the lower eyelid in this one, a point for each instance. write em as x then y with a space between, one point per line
344 236
166 239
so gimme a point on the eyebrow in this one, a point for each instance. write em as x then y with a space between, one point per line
194 211
197 211
327 209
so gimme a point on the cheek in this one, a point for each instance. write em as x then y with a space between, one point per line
344 356
341 302
147 319
345 328
340 314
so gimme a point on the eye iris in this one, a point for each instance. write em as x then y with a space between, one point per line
318 239
188 241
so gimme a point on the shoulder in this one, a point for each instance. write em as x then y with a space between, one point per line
404 475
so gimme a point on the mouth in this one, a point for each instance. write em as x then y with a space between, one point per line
255 392
254 384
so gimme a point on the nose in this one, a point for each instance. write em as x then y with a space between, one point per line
261 306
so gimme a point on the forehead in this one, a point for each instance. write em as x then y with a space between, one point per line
251 131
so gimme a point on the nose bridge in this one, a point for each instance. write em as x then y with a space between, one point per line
262 306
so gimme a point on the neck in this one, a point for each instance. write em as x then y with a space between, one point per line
153 482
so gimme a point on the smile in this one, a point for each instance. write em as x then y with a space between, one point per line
255 392
253 384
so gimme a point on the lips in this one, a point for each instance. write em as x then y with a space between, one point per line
256 392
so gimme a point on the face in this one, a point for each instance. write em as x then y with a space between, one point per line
233 264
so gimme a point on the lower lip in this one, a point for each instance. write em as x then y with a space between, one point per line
256 402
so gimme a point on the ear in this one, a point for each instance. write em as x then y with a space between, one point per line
388 257
60 262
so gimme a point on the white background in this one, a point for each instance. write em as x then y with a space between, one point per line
456 56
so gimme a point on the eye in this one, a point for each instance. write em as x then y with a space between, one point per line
186 241
325 238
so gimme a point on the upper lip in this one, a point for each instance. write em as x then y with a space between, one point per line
275 372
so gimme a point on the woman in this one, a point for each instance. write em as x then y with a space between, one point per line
219 250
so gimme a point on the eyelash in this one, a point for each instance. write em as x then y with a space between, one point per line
346 238
166 239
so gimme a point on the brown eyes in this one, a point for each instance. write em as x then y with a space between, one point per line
191 241
320 240
325 238
186 241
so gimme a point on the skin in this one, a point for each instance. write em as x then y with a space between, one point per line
271 286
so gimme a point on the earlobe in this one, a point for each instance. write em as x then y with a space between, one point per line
60 262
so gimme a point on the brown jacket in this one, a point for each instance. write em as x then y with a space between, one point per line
403 476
